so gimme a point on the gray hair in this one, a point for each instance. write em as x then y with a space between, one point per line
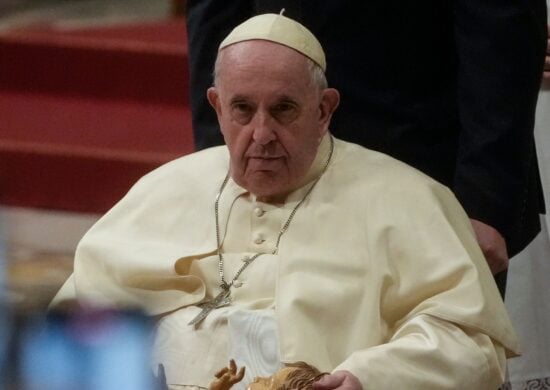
317 76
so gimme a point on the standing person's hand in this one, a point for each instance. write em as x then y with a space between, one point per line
492 245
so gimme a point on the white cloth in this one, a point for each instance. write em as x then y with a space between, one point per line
379 272
252 338
528 290
192 357
254 344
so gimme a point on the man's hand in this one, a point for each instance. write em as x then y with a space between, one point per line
492 245
342 380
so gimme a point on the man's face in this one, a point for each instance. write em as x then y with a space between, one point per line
271 115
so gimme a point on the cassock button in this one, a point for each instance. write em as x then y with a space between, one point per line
237 283
258 240
258 212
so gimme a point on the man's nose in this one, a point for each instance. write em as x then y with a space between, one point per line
264 131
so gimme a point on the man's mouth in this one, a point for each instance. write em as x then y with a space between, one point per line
265 162
267 158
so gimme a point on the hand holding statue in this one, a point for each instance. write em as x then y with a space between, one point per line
341 380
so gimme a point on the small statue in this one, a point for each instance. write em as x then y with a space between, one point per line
227 377
293 376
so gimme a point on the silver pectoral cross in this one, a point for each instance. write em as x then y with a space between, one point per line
220 300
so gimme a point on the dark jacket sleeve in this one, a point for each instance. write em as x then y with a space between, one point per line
500 51
208 22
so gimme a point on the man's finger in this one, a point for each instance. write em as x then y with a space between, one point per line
327 382
339 380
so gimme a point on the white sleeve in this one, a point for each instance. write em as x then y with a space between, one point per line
426 353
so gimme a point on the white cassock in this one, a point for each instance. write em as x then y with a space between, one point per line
379 273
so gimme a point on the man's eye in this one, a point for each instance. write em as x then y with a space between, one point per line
285 112
241 112
283 107
241 107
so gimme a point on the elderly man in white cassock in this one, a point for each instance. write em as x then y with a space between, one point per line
290 245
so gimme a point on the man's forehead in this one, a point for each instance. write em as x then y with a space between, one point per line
252 69
274 98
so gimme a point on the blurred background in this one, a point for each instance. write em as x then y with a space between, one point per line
93 94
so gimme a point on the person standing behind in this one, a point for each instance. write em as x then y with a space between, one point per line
447 87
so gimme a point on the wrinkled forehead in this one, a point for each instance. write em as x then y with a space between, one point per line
264 67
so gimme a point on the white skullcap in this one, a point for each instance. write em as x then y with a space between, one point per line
278 29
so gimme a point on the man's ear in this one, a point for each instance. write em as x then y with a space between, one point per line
330 99
214 99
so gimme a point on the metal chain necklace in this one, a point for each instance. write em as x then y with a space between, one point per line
224 297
